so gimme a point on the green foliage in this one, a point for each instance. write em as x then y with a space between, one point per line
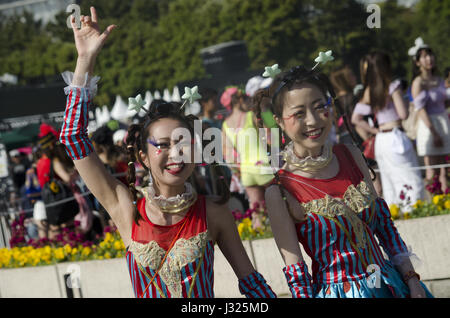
157 42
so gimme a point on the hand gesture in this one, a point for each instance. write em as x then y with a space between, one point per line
88 39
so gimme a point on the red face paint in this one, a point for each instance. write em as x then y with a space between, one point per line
326 114
158 151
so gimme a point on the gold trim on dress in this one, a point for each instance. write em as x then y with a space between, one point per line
183 252
354 201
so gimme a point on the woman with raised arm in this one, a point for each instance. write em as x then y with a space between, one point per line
171 231
323 198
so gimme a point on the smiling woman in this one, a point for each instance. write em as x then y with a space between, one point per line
323 198
169 230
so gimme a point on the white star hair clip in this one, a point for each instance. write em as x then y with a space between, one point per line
271 71
136 103
323 58
191 95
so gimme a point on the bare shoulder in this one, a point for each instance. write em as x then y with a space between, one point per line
366 96
277 207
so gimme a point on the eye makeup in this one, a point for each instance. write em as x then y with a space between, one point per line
321 107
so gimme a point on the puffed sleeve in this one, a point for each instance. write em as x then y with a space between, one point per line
362 109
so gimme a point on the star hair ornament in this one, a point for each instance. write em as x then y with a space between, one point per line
271 71
190 95
136 103
323 58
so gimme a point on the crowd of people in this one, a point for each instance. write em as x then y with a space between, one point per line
149 199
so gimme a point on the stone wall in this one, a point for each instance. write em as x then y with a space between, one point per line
429 239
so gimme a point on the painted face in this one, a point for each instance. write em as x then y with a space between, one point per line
426 60
169 154
306 117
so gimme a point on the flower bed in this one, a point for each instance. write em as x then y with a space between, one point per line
45 252
253 224
439 205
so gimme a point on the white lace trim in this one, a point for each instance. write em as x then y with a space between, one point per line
163 202
183 252
398 259
89 82
289 152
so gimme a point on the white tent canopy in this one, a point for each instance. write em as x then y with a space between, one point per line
120 110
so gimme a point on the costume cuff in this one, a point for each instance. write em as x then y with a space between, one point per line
399 258
255 286
74 133
90 83
299 280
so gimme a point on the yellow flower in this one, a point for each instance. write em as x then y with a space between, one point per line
74 251
418 204
117 245
108 238
241 228
394 211
447 204
107 255
86 251
406 215
437 198
67 249
59 253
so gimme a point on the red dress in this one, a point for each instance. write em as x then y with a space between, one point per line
342 220
187 271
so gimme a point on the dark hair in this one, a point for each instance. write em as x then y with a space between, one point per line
103 136
447 71
137 140
377 77
415 69
207 94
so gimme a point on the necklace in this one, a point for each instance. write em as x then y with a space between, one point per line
176 204
308 164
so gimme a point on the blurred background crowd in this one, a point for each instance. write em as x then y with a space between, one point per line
221 46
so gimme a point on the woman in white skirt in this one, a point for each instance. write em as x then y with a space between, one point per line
394 152
433 125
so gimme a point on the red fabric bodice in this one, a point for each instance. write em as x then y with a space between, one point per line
164 234
307 189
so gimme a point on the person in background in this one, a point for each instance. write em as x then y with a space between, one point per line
433 126
241 141
53 156
209 105
344 80
119 137
18 168
394 151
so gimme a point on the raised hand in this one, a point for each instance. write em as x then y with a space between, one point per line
88 39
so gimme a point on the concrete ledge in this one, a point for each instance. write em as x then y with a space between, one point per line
428 237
